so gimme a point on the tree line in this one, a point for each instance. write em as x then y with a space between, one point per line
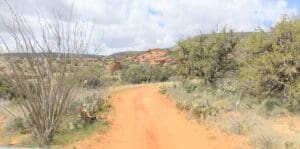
266 64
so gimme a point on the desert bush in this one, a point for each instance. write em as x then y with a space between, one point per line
6 89
207 56
204 111
265 63
293 143
144 73
92 83
84 113
270 68
136 74
69 136
114 78
91 104
189 86
184 105
109 81
198 105
269 105
293 105
240 124
93 77
160 73
44 87
265 138
273 108
175 78
162 89
228 86
17 125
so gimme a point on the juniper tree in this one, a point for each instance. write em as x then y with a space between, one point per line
271 68
208 56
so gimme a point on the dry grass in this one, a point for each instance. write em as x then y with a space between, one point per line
266 138
240 124
10 133
264 129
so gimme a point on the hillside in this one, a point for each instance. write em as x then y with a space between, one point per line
149 57
152 57
53 54
119 55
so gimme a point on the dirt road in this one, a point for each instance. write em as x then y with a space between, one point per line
145 119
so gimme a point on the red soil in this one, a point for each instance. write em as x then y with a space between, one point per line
145 119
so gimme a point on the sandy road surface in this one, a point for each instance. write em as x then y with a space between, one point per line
144 119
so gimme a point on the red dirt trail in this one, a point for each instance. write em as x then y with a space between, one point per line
144 119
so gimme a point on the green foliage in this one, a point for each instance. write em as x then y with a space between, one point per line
263 65
271 68
6 89
143 73
198 105
162 89
293 105
67 136
274 108
159 73
74 128
208 56
93 77
204 111
135 74
189 86
15 124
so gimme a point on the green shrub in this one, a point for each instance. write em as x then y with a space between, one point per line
159 73
136 74
74 127
271 67
293 105
92 83
273 108
93 77
261 66
6 89
270 104
15 124
67 136
189 86
163 89
207 56
92 104
204 111
144 73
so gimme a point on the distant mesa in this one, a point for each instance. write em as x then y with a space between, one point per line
154 57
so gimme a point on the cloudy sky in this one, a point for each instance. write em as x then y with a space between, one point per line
122 25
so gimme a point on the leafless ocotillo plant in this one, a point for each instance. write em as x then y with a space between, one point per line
44 75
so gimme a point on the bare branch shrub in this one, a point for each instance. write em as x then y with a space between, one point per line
44 81
240 124
266 138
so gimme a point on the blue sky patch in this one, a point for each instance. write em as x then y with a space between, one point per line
294 4
154 12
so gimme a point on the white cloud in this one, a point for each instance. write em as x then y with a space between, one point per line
143 24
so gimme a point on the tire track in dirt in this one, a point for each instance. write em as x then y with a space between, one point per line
144 119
